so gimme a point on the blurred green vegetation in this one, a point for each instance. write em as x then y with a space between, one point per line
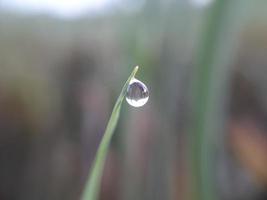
203 131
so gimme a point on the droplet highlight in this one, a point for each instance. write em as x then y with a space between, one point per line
137 93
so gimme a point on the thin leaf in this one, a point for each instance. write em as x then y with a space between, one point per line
212 72
92 186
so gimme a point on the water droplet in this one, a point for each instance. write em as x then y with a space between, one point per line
137 93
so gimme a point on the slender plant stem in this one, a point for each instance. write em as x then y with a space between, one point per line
202 144
92 186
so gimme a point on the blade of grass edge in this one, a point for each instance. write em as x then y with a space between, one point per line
92 186
202 144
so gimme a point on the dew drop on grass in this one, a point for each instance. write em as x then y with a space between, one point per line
137 93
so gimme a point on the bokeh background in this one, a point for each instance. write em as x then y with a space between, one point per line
203 132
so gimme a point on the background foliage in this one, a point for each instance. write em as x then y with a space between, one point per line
60 77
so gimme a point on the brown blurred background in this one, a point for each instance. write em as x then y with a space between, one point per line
62 66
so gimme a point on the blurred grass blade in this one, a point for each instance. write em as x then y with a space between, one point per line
211 73
92 186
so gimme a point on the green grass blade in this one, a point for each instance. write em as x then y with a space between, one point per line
92 186
212 68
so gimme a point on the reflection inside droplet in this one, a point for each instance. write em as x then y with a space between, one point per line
137 93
